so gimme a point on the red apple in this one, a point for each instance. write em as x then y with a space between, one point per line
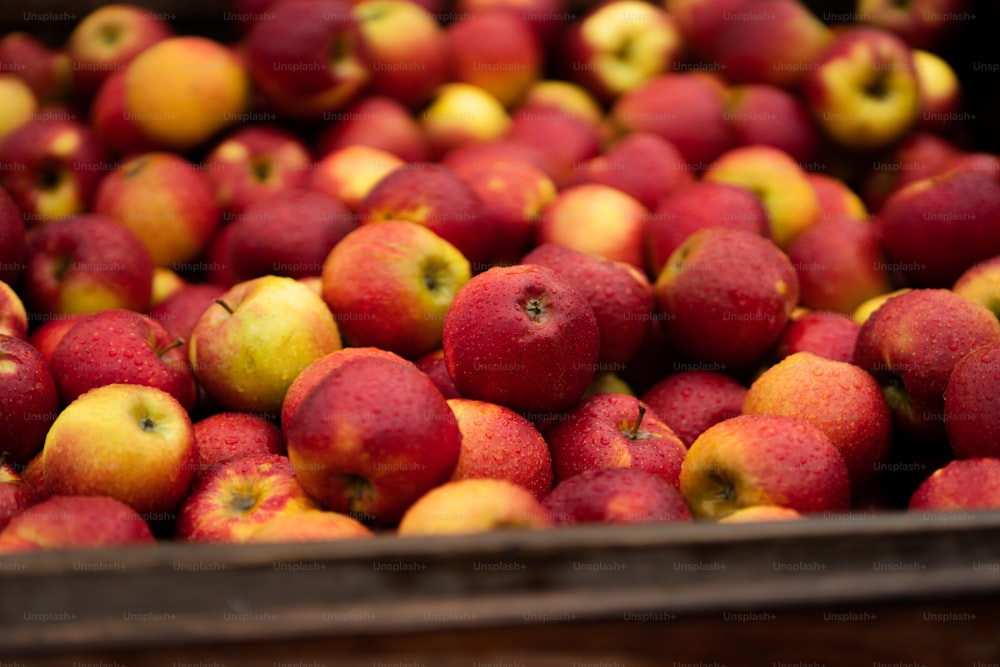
29 399
771 116
981 283
47 71
521 337
309 526
13 316
434 365
377 121
46 336
690 401
969 484
616 496
180 313
546 17
227 435
113 122
970 420
922 23
824 333
564 139
78 522
12 239
759 513
16 495
474 506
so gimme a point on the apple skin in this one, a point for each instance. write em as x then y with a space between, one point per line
940 91
690 401
498 443
118 346
33 474
841 264
13 236
227 435
288 233
460 114
309 58
911 344
179 313
474 506
130 442
863 89
16 495
616 496
391 283
521 337
601 432
357 456
701 21
252 162
727 295
436 197
20 105
234 498
13 316
309 526
407 49
843 400
967 484
970 420
166 201
109 38
78 522
760 513
696 206
380 122
48 72
981 283
546 17
596 219
84 265
938 227
474 156
564 139
827 334
764 460
620 295
166 283
113 123
434 365
46 336
29 400
232 346
349 173
919 155
641 164
52 168
764 114
183 90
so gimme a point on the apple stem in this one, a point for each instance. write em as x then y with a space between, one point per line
176 343
634 435
224 305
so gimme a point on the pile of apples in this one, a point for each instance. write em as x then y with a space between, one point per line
400 267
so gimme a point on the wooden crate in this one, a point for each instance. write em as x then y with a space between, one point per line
894 589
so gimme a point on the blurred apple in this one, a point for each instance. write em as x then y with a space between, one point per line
349 173
564 139
616 496
546 17
19 104
16 495
474 506
166 282
46 336
939 89
981 283
690 401
760 513
309 526
47 71
556 95
461 113
968 484
29 399
436 367
827 334
377 121
117 127
76 522
13 316
922 23
130 442
765 114
970 419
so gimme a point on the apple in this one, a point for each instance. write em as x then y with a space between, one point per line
919 155
968 484
166 201
546 17
836 198
556 95
778 181
46 336
643 165
309 57
843 400
474 506
764 460
981 283
479 155
29 399
701 21
107 39
761 513
130 442
863 90
231 500
16 495
864 311
827 334
217 267
117 346
309 526
180 312
939 88
436 197
498 443
166 283
840 263
47 71
619 45
564 139
770 41
13 316
407 49
86 264
20 105
690 401
183 90
685 108
461 113
232 347
922 23
596 219
727 295
521 337
938 227
971 422
616 496
378 121
252 162
620 295
287 233
614 431
910 345
227 435
434 365
371 437
52 168
765 114
390 284
349 173
513 193
77 522
117 127
696 206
